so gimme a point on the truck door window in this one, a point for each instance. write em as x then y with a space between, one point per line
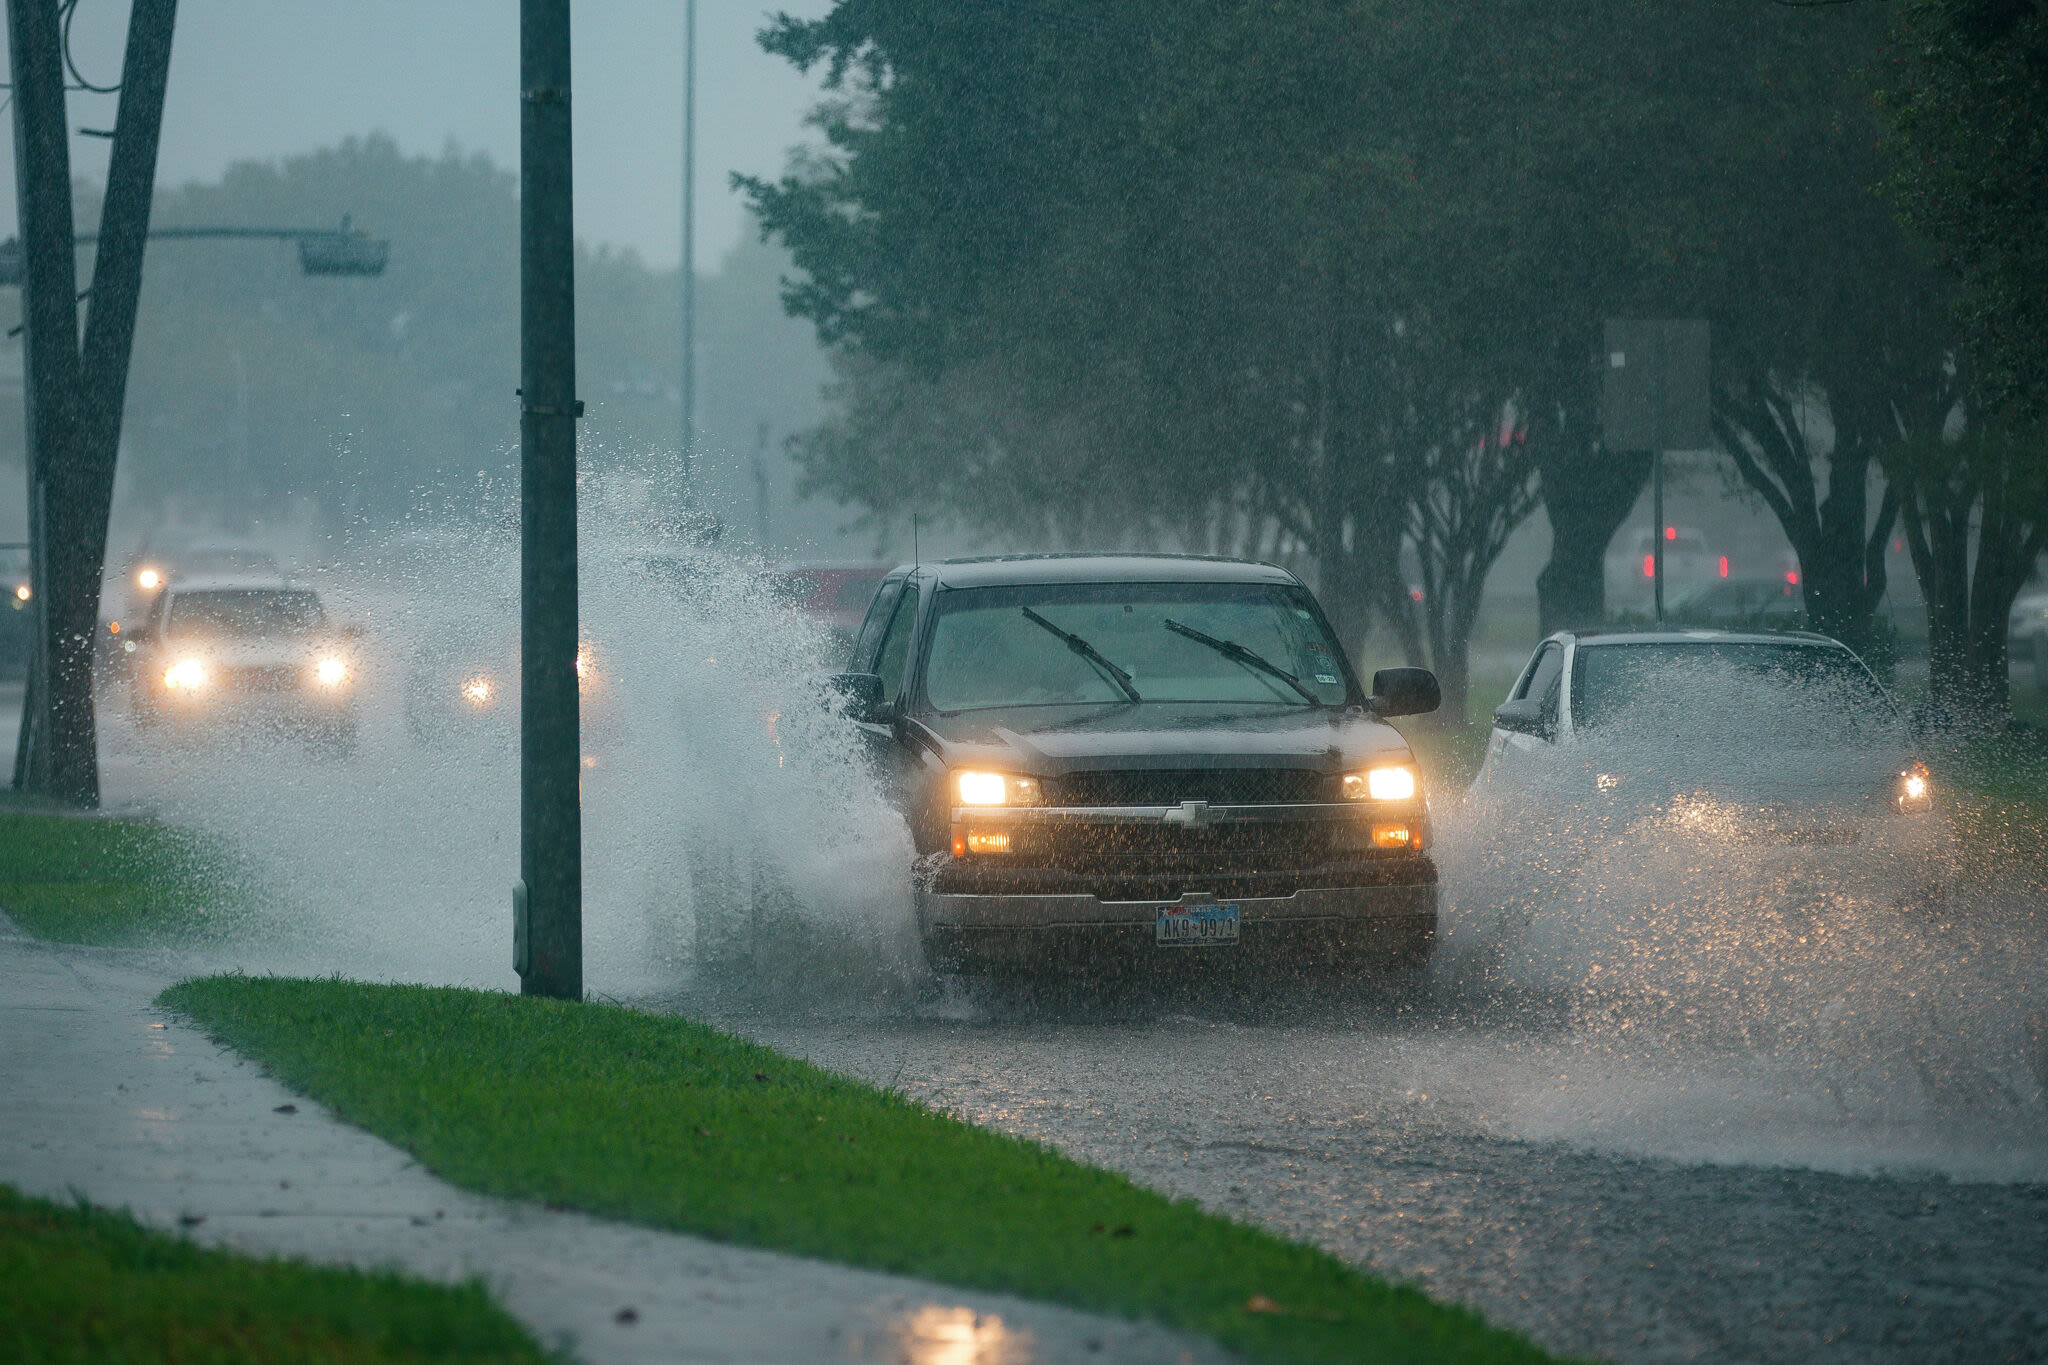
895 649
871 625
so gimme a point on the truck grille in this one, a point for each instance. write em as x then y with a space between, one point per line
262 678
1171 786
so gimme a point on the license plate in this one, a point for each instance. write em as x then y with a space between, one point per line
1195 926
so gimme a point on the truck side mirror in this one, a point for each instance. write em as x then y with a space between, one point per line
859 696
1525 716
1405 692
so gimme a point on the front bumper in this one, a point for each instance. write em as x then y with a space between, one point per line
1388 925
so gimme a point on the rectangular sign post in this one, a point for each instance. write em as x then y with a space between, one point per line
548 903
1655 395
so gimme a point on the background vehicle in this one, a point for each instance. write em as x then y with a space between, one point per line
1689 567
462 680
17 621
248 653
1774 603
1106 761
835 594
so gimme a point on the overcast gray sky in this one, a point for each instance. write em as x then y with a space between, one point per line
266 78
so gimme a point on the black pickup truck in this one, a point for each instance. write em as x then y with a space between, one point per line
1114 762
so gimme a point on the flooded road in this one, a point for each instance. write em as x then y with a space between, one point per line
1394 1144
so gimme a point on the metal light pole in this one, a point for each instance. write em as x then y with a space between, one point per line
547 938
689 281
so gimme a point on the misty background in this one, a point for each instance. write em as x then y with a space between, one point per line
307 414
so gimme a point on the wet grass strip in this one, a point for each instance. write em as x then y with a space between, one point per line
664 1121
84 1284
85 879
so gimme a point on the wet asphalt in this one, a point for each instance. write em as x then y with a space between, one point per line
1394 1143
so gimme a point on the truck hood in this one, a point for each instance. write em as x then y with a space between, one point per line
260 652
1048 741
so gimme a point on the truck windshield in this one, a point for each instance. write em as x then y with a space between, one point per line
986 652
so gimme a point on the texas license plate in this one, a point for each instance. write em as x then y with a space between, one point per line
1195 926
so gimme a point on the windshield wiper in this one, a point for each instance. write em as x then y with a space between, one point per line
1237 653
1088 652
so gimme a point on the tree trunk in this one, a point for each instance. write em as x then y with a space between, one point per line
1588 493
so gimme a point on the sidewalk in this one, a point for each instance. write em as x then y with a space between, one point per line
102 1094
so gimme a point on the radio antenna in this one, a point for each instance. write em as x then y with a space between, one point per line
916 559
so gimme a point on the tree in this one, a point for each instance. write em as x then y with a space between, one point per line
1177 267
1976 521
1966 99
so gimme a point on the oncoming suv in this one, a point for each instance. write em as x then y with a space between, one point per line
1118 762
252 654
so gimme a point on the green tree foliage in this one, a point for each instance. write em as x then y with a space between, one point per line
1321 281
1967 99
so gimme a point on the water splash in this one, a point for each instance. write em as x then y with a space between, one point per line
734 837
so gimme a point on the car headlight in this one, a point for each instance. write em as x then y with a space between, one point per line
477 691
331 672
1915 789
975 788
1394 782
188 675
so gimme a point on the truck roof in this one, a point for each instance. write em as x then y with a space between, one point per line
1004 570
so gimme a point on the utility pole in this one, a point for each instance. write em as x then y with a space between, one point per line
689 276
547 939
73 404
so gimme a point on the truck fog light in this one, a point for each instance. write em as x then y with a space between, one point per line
988 841
1393 836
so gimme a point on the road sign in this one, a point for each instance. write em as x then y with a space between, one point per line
1654 384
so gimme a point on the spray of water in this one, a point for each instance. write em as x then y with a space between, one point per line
734 836
1708 935
1675 942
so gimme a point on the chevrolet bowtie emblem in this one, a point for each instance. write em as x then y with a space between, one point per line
1194 814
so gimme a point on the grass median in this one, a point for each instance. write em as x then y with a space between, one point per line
84 1284
663 1121
87 879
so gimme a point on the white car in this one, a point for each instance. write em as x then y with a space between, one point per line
1782 747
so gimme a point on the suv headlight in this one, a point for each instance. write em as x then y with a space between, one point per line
976 788
1389 782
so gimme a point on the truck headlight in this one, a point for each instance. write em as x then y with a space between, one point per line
1394 782
186 675
975 788
331 672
